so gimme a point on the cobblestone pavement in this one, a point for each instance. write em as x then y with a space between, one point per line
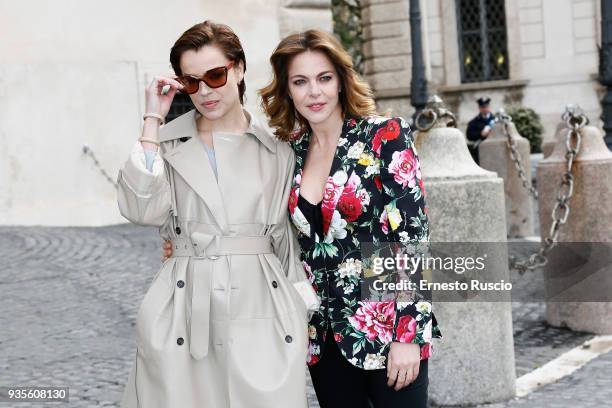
588 387
69 298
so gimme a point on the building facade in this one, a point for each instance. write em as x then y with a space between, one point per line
542 54
74 73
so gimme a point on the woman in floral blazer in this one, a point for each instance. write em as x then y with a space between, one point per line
372 193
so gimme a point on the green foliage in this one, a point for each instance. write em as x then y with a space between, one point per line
348 29
528 124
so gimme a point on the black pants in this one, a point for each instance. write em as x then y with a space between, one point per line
339 384
475 154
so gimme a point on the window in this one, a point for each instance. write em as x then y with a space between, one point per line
483 49
180 104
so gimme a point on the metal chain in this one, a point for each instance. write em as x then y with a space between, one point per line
575 120
506 119
88 151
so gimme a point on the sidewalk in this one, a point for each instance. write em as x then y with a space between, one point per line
69 302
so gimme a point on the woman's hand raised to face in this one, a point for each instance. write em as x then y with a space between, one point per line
156 101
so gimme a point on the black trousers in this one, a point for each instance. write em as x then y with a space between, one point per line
339 384
475 154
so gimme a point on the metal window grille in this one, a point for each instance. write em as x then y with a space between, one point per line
483 47
180 104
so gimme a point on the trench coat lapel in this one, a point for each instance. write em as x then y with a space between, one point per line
189 160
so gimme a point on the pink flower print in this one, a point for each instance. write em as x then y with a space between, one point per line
405 168
375 319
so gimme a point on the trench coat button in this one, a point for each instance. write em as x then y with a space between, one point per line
180 283
288 339
274 284
178 230
180 341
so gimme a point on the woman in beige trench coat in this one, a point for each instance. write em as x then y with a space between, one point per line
222 324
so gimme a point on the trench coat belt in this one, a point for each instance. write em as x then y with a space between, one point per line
205 249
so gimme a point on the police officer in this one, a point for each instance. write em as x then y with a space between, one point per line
479 127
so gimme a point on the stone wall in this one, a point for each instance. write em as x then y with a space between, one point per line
559 57
300 15
73 73
386 52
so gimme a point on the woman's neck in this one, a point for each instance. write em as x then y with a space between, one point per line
328 132
234 121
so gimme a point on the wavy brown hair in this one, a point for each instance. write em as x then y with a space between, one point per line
210 33
356 97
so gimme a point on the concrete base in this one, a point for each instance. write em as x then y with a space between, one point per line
592 317
474 362
590 220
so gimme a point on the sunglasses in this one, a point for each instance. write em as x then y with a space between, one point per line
213 78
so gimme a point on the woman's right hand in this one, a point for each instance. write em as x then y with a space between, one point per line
155 101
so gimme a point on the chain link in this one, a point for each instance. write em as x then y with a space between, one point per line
575 120
88 151
505 119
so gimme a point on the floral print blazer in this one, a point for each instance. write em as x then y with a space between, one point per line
374 193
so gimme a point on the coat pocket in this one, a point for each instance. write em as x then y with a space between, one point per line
290 293
149 328
308 296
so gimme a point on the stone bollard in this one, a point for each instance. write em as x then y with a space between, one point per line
474 362
589 221
495 156
549 145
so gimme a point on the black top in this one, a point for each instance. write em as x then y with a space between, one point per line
313 215
476 125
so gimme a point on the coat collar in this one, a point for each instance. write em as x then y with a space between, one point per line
184 152
189 160
341 167
185 126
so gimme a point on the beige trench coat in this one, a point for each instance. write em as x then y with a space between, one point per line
221 324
